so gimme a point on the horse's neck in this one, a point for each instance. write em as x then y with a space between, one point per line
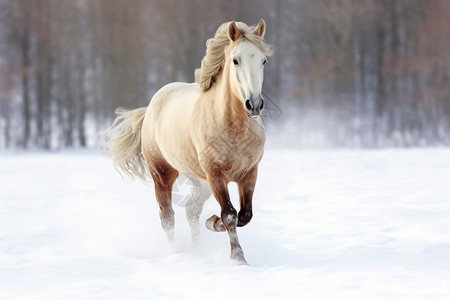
229 108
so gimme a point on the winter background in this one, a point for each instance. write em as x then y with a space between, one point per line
353 194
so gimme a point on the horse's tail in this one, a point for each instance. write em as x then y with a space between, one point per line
122 143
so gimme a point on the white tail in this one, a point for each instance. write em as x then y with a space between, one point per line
122 143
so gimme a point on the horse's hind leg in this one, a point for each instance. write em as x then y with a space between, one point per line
164 175
200 192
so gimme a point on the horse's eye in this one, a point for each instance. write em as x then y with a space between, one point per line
265 62
235 62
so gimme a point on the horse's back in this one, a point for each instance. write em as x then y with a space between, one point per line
178 94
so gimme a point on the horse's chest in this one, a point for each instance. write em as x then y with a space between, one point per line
235 153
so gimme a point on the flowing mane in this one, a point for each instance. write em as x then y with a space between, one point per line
212 63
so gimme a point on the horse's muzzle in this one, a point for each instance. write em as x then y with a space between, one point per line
253 108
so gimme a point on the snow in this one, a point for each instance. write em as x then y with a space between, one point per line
328 224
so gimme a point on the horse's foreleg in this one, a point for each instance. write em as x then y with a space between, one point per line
246 187
229 218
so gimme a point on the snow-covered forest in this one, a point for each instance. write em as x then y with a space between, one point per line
365 73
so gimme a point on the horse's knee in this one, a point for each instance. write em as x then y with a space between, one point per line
229 217
244 217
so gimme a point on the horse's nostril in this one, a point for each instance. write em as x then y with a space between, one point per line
261 105
248 104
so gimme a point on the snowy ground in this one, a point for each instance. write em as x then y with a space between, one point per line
335 224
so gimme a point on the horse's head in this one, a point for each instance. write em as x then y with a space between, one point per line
246 59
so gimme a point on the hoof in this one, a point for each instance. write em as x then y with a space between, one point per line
240 262
238 257
215 224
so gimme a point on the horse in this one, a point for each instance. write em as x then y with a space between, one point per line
210 130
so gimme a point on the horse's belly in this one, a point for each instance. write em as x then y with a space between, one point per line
177 148
184 161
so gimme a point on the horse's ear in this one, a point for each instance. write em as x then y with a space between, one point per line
233 31
260 29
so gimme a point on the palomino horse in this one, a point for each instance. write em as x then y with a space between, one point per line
210 130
